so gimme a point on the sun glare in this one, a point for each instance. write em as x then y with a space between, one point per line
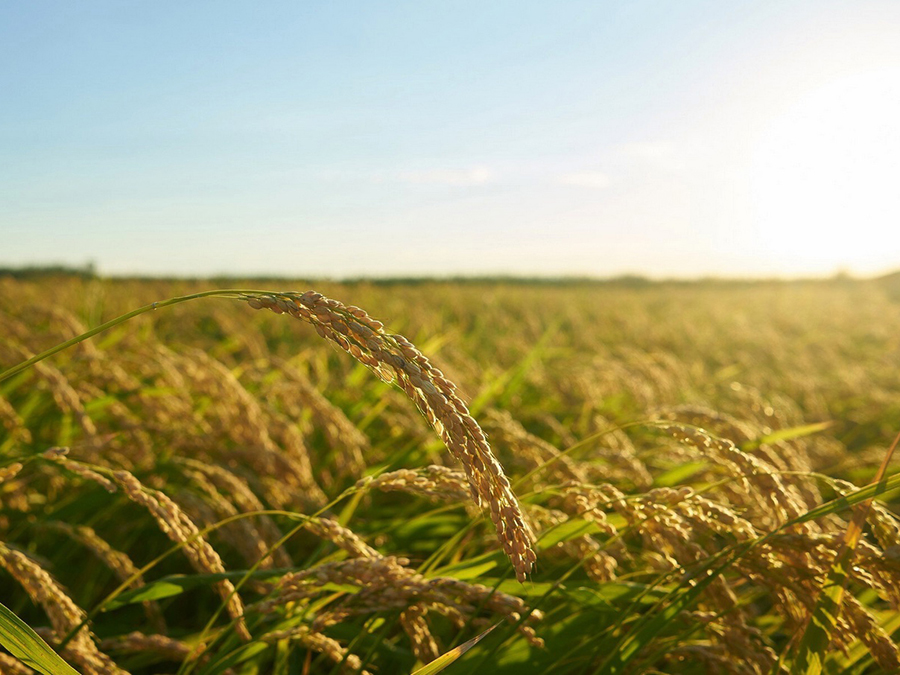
826 177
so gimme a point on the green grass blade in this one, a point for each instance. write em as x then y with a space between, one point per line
813 646
227 293
444 660
679 474
790 433
27 646
176 584
842 503
507 384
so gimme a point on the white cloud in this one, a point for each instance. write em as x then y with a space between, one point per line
591 179
659 151
476 175
665 155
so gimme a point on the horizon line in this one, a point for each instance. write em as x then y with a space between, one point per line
627 278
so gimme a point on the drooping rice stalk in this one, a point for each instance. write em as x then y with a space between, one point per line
395 359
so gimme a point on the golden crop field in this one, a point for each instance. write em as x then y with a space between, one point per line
674 472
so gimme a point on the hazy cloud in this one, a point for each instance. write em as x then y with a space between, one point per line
476 175
664 155
589 179
650 150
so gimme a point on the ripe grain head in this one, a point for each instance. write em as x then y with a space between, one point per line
394 358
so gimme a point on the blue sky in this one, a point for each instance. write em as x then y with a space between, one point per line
335 139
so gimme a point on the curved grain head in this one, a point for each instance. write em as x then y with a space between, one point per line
396 359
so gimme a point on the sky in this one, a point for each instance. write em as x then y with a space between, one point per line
344 139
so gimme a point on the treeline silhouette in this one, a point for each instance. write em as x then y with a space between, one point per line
89 271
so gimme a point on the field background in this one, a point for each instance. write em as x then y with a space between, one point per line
694 418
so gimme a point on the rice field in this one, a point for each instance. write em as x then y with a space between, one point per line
590 478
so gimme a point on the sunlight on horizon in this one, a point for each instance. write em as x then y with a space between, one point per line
825 176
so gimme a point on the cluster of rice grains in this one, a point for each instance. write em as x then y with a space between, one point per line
395 359
387 583
794 565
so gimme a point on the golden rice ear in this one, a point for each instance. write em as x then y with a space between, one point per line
117 561
434 481
245 500
64 394
322 644
180 529
12 666
13 424
388 583
10 471
64 614
395 358
159 646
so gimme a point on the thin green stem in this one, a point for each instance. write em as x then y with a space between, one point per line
234 293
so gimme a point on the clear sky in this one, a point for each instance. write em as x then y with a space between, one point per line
661 138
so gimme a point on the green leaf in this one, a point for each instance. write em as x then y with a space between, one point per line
679 474
614 595
176 584
576 527
27 646
503 387
530 589
787 434
164 588
444 660
842 503
465 570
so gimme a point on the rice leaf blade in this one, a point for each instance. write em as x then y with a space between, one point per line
791 433
443 661
27 646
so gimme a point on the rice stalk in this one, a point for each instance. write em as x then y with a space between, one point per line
394 358
181 530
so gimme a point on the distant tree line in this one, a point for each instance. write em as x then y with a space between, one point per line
87 271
